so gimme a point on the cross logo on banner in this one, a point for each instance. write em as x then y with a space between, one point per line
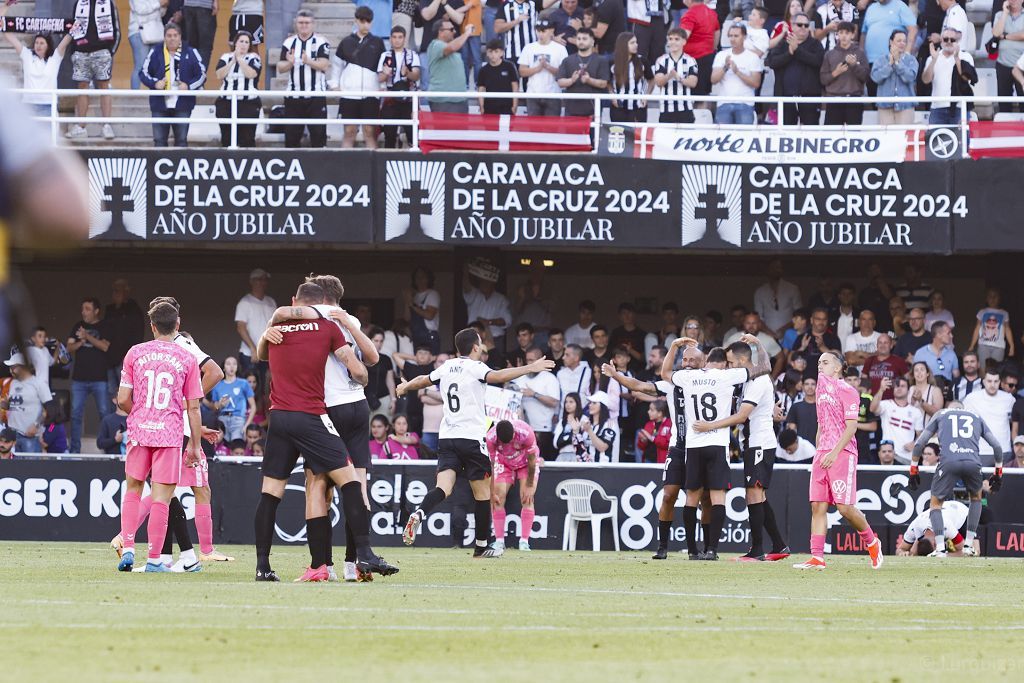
414 202
712 206
117 198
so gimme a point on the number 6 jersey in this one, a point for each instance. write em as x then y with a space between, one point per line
162 377
463 381
709 393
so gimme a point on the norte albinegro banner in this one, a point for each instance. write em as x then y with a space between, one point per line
225 195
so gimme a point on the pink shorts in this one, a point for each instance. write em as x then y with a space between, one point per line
509 475
836 485
162 464
196 477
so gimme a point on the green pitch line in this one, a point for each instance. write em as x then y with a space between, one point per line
65 613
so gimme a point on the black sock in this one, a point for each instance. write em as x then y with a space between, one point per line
432 500
715 528
772 527
266 514
482 515
664 528
178 523
756 511
690 524
356 516
317 530
329 544
350 543
705 531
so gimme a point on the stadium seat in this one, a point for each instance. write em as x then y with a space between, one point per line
979 6
870 117
203 132
703 117
1006 116
577 494
980 53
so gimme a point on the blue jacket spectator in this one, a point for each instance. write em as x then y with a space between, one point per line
896 75
174 68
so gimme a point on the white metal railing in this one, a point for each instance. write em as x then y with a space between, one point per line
598 102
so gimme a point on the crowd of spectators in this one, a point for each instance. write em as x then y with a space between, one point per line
897 339
629 48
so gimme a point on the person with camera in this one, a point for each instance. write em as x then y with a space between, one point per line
43 352
398 71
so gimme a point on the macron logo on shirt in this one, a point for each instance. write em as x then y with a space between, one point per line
300 327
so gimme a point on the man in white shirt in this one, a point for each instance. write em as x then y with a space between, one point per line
956 19
794 448
863 343
776 300
843 319
541 400
757 34
737 72
574 376
579 334
994 407
752 325
252 315
950 71
24 404
901 422
488 306
539 62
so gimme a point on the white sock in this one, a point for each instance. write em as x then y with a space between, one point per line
188 555
481 544
167 559
940 542
969 538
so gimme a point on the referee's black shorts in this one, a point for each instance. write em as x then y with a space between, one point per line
758 465
465 456
352 421
674 473
707 467
294 433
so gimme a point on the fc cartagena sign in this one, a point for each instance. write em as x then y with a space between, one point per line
224 196
888 208
550 200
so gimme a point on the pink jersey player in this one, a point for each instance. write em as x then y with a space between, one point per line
512 445
834 471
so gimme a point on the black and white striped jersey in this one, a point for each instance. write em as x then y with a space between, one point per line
684 66
303 78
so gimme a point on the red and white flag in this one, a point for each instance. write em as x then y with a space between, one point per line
486 132
1003 139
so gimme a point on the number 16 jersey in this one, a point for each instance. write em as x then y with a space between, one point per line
463 381
709 394
162 376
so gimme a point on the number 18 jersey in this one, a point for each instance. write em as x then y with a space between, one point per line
463 381
162 376
709 393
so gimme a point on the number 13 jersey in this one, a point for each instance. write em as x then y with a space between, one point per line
463 381
709 394
162 377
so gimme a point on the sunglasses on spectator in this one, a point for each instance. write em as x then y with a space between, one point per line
801 24
693 327
950 39
1011 385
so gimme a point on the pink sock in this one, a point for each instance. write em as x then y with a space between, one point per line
527 526
818 545
204 527
157 530
144 505
498 515
867 536
129 513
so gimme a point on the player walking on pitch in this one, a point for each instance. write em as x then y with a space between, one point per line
960 432
515 456
834 470
461 446
158 380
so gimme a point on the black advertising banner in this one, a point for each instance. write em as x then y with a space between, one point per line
526 200
230 196
73 500
994 224
868 208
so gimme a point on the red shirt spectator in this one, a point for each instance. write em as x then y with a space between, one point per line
662 432
884 364
701 23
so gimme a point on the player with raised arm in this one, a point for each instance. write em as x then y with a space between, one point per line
299 425
960 433
756 411
708 393
673 477
348 410
920 538
159 380
515 456
461 444
834 470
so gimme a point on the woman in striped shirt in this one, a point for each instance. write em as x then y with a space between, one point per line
239 71
630 77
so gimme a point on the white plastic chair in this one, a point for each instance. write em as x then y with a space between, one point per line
577 493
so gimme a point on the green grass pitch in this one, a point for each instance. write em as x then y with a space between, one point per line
67 615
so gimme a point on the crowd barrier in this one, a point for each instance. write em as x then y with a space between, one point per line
78 500
304 197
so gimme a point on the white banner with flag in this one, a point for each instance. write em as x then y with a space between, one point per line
502 404
771 145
